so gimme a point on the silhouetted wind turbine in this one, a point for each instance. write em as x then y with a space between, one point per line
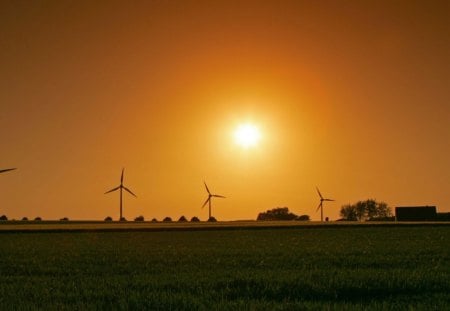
321 204
121 187
208 200
7 170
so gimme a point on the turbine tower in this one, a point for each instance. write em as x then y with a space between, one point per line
321 204
208 200
121 187
7 170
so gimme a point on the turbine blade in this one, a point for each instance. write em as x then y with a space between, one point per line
129 191
320 194
7 170
206 202
112 190
328 199
318 207
207 189
121 177
218 196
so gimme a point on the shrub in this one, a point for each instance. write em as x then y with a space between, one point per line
108 218
139 218
212 219
195 219
167 219
25 219
64 219
304 218
182 219
3 217
279 213
154 220
38 219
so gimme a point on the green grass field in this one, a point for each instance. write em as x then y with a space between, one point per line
322 267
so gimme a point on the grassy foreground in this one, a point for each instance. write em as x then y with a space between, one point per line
379 268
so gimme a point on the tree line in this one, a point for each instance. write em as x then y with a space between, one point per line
366 210
360 211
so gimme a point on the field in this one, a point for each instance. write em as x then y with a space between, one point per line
259 268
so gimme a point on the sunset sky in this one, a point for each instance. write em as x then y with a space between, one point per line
349 96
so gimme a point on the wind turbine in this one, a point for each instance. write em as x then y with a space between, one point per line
121 187
7 170
321 204
208 200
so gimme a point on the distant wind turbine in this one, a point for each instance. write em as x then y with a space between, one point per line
208 200
321 204
121 187
7 170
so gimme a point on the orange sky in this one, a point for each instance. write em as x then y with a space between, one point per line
351 96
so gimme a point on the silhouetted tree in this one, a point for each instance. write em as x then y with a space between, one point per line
366 210
360 209
303 218
154 220
64 219
195 219
167 219
139 218
348 212
122 219
108 218
3 217
182 219
383 210
38 219
212 219
279 213
25 219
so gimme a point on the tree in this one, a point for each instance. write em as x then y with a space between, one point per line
384 210
365 210
348 212
182 219
279 213
303 218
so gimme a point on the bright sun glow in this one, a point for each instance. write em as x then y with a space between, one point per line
247 135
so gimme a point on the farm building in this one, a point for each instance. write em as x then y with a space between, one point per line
415 213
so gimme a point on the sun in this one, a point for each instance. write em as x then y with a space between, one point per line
247 135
